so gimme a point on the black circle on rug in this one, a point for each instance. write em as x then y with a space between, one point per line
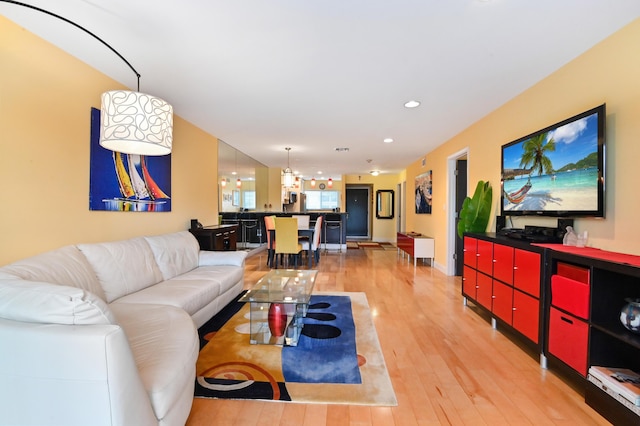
321 331
320 316
319 305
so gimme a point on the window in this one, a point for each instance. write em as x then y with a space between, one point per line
249 199
322 200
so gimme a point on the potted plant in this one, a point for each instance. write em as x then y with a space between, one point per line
474 216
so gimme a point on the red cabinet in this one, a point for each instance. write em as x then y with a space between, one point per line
505 280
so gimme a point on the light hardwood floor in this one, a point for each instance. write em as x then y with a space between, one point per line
447 365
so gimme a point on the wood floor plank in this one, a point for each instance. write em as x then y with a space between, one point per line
446 363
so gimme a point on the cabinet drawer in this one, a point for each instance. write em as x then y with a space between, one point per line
503 263
526 272
576 273
526 315
469 282
502 306
570 295
568 339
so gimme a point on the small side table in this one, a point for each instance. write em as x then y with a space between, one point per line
216 237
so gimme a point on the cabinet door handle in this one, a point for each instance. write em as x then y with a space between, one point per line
493 296
565 319
494 260
514 309
515 268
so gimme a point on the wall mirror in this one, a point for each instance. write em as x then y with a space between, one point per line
234 165
384 204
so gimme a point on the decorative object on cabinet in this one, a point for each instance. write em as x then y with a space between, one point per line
630 315
475 212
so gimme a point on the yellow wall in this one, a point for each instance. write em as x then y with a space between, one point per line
608 73
45 103
381 229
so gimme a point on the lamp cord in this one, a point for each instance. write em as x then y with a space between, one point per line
80 27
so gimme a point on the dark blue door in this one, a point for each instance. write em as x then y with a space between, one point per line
357 204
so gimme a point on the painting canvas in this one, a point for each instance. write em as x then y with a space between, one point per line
423 193
127 182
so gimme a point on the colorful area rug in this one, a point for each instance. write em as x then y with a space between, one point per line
337 361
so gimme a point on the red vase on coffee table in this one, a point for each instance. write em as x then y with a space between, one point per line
277 319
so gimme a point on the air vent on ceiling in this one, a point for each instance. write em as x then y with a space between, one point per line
342 149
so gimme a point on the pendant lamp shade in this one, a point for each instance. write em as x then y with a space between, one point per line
136 123
288 173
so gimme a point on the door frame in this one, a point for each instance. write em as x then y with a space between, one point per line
451 213
369 188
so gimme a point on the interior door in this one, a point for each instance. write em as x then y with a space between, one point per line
357 202
461 194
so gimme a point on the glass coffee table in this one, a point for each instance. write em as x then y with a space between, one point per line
278 302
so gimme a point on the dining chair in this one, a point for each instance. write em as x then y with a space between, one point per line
287 240
315 241
270 224
303 220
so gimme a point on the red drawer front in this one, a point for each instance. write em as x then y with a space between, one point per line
502 301
503 263
526 272
526 315
470 251
485 257
484 293
576 273
570 295
568 338
469 282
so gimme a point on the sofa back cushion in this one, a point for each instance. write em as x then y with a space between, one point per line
122 267
63 266
46 303
175 253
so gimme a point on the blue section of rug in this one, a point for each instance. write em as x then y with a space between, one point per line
326 351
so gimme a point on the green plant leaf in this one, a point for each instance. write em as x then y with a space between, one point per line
474 216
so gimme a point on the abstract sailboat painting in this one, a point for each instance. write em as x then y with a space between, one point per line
127 182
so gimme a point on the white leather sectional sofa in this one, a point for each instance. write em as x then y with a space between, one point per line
105 333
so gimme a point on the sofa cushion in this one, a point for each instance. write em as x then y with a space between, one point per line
175 253
64 266
217 258
122 267
38 302
191 291
165 347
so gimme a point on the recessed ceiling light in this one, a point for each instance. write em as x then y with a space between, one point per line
375 173
387 140
412 104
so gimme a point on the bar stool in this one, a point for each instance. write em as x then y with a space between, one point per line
248 224
333 221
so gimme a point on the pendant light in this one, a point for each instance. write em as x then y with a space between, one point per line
130 122
288 173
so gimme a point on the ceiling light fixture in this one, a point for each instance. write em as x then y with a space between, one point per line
131 122
412 104
288 174
330 183
238 183
313 182
223 182
387 140
375 173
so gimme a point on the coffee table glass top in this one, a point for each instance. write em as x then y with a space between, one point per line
283 286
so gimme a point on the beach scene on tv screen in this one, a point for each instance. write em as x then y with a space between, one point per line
553 171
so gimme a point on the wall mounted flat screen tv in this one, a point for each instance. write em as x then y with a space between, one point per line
557 171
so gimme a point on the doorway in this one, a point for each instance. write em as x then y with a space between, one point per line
457 189
358 202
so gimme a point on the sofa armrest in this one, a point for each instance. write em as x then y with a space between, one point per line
73 374
220 258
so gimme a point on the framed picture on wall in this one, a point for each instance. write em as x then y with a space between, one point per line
423 193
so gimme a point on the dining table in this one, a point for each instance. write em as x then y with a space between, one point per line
302 233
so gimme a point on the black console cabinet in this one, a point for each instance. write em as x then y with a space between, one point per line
217 237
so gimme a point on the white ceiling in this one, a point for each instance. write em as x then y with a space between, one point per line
316 75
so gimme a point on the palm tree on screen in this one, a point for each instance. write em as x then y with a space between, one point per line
534 156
